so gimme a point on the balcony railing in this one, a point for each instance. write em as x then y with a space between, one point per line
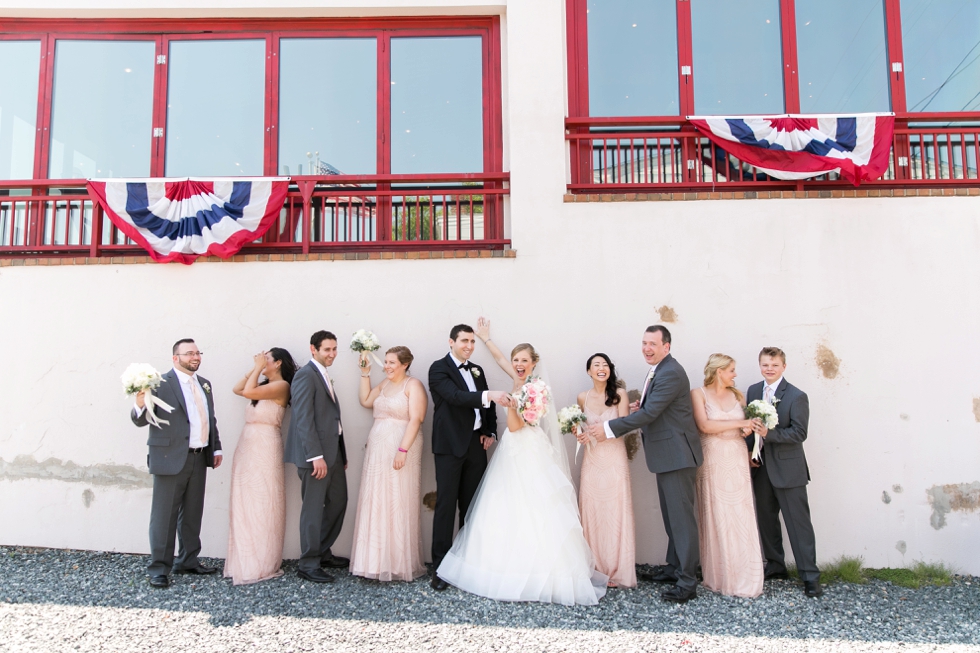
332 213
669 155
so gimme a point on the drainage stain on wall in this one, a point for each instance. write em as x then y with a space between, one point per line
828 362
901 547
126 477
886 498
88 496
976 408
959 497
667 314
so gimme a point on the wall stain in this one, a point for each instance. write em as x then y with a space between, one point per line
126 477
897 489
958 497
976 408
429 500
901 547
88 496
905 417
667 314
886 498
828 363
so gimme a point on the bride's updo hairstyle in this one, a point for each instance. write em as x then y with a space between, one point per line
719 362
403 354
529 348
612 383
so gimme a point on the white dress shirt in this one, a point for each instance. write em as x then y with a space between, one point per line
605 425
774 386
326 379
471 384
192 415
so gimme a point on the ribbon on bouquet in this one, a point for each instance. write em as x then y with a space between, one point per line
364 356
152 402
578 445
756 449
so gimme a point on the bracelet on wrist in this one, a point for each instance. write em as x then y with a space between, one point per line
402 450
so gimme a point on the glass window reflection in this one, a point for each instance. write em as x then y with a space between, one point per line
841 54
102 109
216 108
437 104
737 57
633 58
328 124
942 54
19 68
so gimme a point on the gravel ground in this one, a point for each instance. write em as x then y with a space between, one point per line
55 600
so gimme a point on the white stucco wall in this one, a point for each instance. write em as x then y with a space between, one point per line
887 285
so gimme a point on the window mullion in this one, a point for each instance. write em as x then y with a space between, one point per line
791 81
45 94
157 135
896 57
271 165
685 58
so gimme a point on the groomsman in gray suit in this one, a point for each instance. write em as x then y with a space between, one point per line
673 452
315 444
780 483
180 453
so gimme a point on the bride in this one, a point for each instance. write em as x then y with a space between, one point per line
522 539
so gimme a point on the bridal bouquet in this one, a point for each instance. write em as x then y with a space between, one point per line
533 400
140 377
364 342
765 412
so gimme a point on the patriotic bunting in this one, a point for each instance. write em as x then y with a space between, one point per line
181 219
800 147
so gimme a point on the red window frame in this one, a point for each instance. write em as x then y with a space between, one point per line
163 32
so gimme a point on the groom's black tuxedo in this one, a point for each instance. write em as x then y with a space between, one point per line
459 455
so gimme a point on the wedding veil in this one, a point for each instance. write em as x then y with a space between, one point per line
549 424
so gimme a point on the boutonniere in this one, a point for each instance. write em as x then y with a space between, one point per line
207 387
775 400
476 372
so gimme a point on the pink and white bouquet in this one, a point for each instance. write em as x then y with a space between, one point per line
533 400
765 412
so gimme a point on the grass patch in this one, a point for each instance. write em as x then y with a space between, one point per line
848 569
844 569
900 577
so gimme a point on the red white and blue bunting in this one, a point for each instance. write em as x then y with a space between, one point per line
800 147
182 219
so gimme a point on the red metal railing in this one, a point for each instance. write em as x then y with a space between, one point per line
668 155
320 214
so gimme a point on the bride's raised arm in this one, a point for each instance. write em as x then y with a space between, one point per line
483 333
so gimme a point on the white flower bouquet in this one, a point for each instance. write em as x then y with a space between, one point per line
569 419
765 412
533 400
364 342
140 377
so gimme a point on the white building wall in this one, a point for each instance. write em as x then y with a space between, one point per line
887 287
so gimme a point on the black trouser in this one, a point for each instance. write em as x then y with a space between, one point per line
677 491
795 506
176 513
456 482
322 514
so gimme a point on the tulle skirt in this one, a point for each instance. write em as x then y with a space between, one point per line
523 539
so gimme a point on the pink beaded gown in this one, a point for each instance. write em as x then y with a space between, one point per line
606 504
388 530
731 556
257 510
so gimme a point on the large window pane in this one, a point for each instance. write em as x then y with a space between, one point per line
329 124
437 104
216 108
633 58
942 54
102 109
19 69
737 57
841 54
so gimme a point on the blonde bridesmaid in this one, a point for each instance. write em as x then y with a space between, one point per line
731 556
257 510
387 530
605 497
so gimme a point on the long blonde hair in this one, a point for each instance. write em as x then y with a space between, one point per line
719 362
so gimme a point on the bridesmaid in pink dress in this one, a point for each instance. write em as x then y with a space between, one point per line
605 497
257 510
731 556
388 530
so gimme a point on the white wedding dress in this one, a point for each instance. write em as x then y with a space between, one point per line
523 538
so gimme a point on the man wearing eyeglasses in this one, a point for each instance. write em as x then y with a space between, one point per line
180 453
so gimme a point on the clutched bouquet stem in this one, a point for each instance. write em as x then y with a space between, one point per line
765 412
365 343
140 377
571 419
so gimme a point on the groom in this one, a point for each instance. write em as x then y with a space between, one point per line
673 451
315 444
780 483
464 426
180 454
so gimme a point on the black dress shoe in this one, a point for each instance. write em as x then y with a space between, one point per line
438 584
315 575
659 575
776 575
678 595
161 581
200 570
812 588
335 562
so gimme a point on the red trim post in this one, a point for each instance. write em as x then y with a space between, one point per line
271 159
685 63
159 138
791 78
896 85
383 202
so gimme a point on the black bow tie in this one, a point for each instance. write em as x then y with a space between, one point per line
465 366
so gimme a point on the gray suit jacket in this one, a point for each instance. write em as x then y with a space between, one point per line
169 443
670 436
782 453
314 426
